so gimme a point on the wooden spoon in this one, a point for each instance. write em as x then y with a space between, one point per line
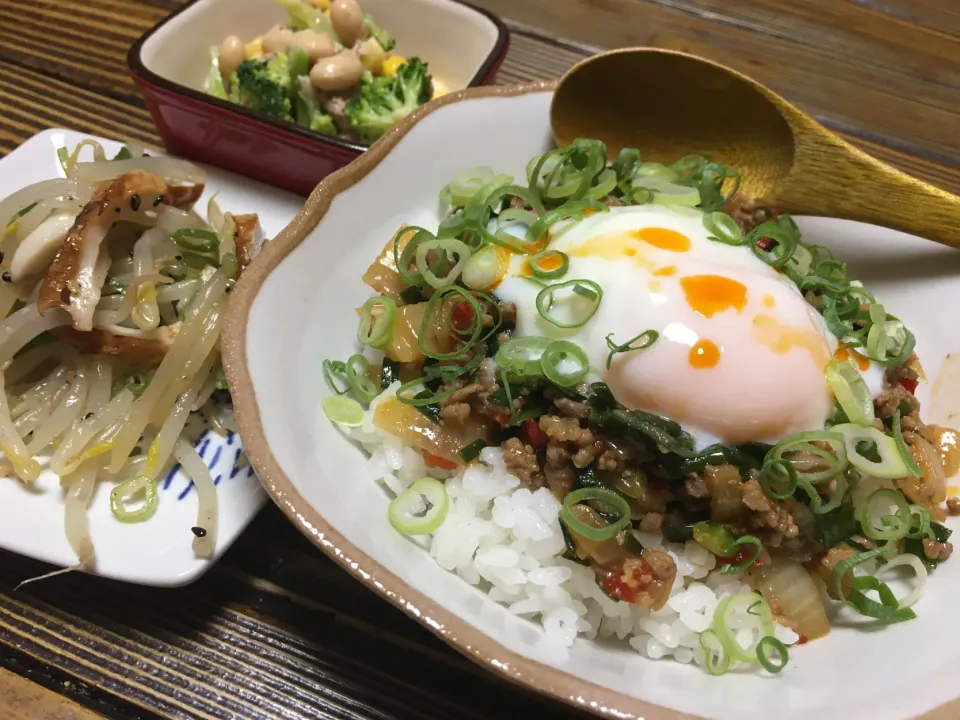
670 104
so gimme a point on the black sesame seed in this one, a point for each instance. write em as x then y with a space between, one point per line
134 202
179 257
7 277
158 200
198 531
1 257
88 416
116 209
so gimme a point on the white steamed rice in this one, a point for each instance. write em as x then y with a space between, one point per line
506 540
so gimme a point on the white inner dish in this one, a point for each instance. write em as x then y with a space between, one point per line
851 673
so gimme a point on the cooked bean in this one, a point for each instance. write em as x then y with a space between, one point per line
316 45
337 73
277 39
231 55
348 22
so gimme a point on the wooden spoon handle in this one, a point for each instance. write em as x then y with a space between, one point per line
830 177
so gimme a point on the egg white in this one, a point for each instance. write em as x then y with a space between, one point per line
754 392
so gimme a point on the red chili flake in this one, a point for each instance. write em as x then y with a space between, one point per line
438 462
533 435
766 243
909 385
461 317
802 640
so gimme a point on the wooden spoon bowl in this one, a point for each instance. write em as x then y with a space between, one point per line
670 104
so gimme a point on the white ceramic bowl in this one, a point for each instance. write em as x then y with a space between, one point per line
296 307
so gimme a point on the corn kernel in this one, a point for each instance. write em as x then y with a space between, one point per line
392 64
253 50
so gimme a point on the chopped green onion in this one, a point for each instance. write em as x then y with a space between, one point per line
851 392
472 451
919 523
127 489
905 453
723 228
664 192
343 410
885 515
334 370
609 498
443 249
421 509
521 356
549 264
557 359
587 289
836 460
715 654
357 367
887 610
440 312
729 616
778 479
485 267
918 567
203 242
643 341
890 464
734 568
772 654
377 330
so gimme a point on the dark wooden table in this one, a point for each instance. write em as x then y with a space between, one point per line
275 630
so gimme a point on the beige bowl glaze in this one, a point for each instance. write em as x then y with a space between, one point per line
295 306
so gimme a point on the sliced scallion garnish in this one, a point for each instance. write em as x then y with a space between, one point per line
334 370
376 321
890 464
772 654
610 499
715 654
357 367
723 228
126 490
343 410
421 509
885 515
549 264
443 251
905 453
751 540
564 363
580 311
638 342
851 391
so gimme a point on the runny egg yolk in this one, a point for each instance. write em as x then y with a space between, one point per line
663 239
704 354
781 339
844 353
712 294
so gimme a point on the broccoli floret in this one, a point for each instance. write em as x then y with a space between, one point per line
383 101
263 85
323 123
385 39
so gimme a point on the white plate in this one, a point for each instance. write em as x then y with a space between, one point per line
318 478
156 552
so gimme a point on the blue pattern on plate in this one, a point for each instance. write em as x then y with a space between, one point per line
222 464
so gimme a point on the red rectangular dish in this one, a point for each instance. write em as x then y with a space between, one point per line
462 45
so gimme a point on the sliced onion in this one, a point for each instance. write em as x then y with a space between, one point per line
788 587
851 391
